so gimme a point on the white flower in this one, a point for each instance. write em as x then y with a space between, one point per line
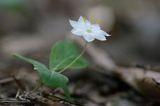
89 31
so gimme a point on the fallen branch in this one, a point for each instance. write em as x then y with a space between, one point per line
145 81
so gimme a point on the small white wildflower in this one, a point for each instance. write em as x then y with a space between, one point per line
89 31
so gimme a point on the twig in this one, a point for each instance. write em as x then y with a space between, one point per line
6 80
12 100
35 97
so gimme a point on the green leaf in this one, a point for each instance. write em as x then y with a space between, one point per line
63 53
48 78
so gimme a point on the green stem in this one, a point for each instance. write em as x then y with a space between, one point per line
38 84
56 67
75 59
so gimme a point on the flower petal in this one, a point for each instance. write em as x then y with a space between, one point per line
88 24
100 37
88 38
73 23
77 32
81 20
106 34
96 26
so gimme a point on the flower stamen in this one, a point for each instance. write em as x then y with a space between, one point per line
84 19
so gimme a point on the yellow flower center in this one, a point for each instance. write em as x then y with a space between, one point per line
89 30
